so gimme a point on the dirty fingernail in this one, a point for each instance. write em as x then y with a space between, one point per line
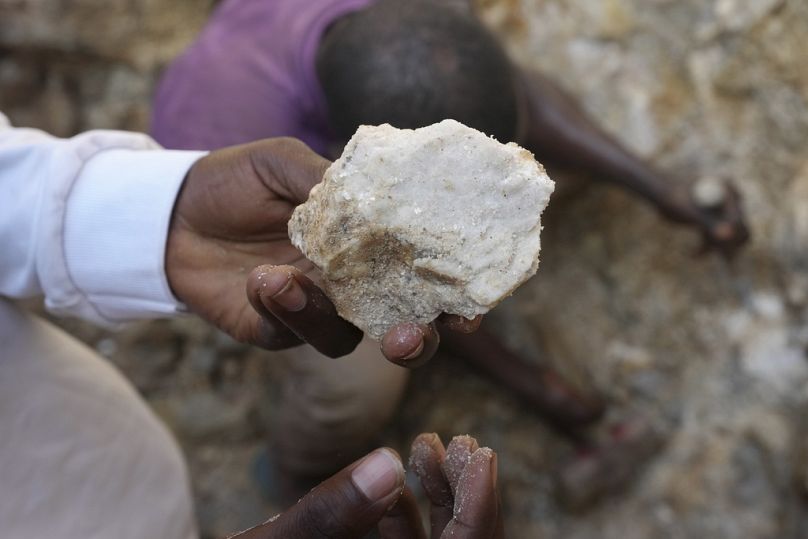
405 342
284 290
379 474
415 352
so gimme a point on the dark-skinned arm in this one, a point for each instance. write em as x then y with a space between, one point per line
566 408
559 132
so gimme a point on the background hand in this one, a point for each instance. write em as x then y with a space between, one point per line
721 217
711 206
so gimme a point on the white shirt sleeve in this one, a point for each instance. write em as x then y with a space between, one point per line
84 221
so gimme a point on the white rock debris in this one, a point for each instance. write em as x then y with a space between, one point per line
408 224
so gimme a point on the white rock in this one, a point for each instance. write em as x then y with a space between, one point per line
408 224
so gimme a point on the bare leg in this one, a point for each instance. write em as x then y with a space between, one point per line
567 409
331 410
609 464
600 464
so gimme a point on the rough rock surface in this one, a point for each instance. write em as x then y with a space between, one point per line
411 223
701 87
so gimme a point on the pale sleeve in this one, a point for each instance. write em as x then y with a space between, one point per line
84 221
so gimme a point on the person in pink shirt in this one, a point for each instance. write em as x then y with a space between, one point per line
316 70
250 75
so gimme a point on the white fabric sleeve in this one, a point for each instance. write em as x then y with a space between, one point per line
84 221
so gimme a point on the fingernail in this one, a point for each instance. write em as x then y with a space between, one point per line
284 290
396 340
415 353
422 447
379 475
430 438
419 450
464 440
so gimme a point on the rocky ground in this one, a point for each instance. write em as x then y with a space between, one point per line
715 354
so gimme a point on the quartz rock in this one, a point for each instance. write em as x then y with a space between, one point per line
408 224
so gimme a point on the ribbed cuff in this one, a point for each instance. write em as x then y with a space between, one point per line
116 226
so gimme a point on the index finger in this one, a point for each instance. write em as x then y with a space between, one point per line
294 300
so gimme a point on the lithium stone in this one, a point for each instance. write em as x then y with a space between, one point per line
409 224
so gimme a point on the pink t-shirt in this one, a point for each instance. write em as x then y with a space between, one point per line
250 75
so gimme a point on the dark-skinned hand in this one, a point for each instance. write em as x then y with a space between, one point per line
558 131
228 233
459 481
722 225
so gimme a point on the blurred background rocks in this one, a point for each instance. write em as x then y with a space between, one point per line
715 353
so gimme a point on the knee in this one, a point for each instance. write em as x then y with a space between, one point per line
347 410
350 398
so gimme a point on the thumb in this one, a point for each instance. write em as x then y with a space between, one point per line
288 167
346 506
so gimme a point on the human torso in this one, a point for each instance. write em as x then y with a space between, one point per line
250 75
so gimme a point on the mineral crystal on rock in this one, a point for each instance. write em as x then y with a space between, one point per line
408 224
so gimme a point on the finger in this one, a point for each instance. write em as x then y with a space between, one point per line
295 300
426 457
268 333
475 515
461 324
457 457
410 345
403 520
346 506
264 329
